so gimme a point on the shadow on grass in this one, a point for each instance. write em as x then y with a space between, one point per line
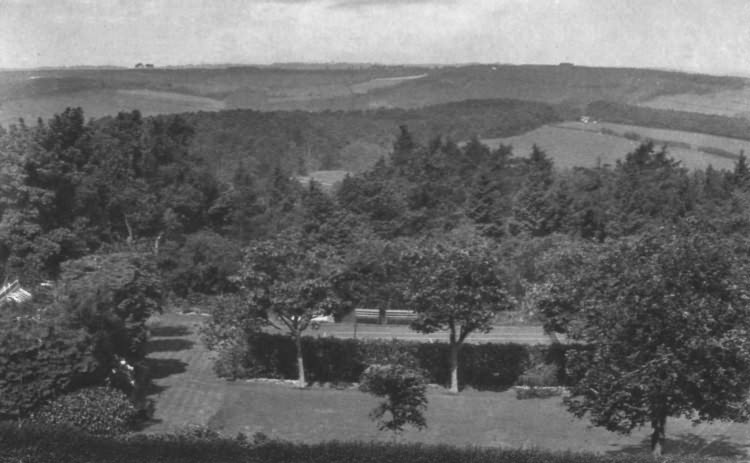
168 331
161 368
169 345
689 444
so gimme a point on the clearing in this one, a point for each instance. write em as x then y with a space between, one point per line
574 144
188 393
735 102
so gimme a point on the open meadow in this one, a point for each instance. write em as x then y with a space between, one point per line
574 144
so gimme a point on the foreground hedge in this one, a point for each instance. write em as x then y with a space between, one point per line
334 360
54 445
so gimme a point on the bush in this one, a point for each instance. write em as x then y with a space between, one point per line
333 360
45 444
405 393
34 371
532 392
632 136
96 410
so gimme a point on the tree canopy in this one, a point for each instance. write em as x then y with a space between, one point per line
667 318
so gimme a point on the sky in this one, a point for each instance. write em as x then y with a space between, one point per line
710 36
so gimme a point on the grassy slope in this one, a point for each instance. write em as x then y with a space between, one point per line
187 392
575 144
41 93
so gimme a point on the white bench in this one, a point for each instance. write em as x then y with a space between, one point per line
391 316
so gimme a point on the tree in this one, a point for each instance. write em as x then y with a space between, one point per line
405 393
290 285
535 206
374 275
111 296
456 285
667 321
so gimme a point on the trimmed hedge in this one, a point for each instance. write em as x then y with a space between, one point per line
334 360
95 410
34 444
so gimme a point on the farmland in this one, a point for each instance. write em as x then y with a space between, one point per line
41 93
573 144
734 102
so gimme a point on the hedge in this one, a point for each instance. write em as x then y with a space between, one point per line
333 360
95 410
34 444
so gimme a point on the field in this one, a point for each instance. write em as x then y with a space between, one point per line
726 103
103 102
41 93
187 392
575 144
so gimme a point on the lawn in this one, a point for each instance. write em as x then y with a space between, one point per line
470 418
187 392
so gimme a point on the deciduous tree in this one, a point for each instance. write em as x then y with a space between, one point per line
667 319
290 284
456 284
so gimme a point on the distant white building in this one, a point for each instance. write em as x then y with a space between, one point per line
13 292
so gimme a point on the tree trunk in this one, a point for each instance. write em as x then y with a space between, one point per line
659 426
454 367
300 363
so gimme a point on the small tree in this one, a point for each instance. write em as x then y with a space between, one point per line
456 285
289 285
667 319
405 393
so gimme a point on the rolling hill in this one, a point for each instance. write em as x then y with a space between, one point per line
41 93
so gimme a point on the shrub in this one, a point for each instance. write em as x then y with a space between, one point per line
96 410
34 371
405 396
632 136
533 392
46 444
333 360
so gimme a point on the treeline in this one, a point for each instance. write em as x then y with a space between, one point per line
70 188
711 124
350 140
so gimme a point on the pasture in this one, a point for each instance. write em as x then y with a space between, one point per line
734 102
104 102
42 93
187 392
574 144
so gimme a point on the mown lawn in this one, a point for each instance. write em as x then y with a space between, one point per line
187 392
470 418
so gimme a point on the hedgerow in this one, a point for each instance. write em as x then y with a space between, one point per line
45 444
332 360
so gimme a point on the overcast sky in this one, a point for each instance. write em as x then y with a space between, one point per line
710 36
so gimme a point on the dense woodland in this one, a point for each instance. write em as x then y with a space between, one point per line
72 187
124 213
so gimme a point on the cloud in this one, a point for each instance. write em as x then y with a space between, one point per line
393 3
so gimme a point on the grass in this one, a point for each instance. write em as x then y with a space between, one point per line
694 140
187 392
733 102
102 102
470 418
575 144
